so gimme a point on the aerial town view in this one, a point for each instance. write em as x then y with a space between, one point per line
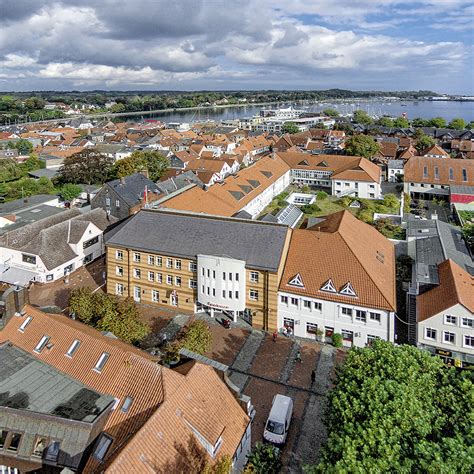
236 237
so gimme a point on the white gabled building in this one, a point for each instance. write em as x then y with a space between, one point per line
445 316
335 282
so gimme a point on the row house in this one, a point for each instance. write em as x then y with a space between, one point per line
333 282
200 263
342 175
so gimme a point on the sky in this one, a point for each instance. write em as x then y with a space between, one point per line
237 44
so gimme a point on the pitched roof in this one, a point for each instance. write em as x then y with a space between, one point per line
456 286
435 150
336 249
187 235
198 400
132 188
221 199
128 372
414 168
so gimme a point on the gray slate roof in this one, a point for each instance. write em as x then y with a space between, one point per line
187 235
133 187
174 184
20 204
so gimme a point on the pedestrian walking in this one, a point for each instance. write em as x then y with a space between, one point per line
298 356
274 336
313 376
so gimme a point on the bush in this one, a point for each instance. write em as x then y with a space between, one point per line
337 339
391 201
264 459
321 195
346 201
310 208
366 216
406 203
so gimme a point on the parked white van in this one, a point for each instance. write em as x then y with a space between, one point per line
279 419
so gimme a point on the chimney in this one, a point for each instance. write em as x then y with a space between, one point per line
144 173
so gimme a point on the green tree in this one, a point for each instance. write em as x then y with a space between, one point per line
457 123
197 337
468 234
45 186
385 122
419 122
82 304
329 112
401 122
290 127
424 142
361 116
398 409
263 459
470 125
70 191
24 147
86 167
438 122
33 163
321 195
391 201
337 339
362 145
153 161
366 215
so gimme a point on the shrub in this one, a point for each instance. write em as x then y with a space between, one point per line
264 459
366 216
337 339
197 337
321 195
310 208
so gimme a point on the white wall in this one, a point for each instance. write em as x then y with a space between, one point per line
331 316
363 189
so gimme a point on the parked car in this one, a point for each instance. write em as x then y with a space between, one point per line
279 419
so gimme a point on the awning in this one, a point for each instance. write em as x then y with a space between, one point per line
437 191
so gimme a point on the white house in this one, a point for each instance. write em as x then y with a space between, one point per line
445 316
394 170
52 248
333 282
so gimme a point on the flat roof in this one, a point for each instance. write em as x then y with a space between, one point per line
32 385
186 235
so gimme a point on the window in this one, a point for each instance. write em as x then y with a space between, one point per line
41 345
169 280
372 195
136 257
289 323
467 323
52 451
451 174
177 281
151 276
159 278
230 276
155 296
102 361
468 341
223 294
25 323
430 334
213 274
284 299
307 304
375 317
127 403
3 437
169 263
236 295
371 339
436 170
464 174
236 277
28 259
151 260
14 442
119 271
311 328
318 306
137 273
119 289
73 349
425 171
119 255
117 203
449 319
294 301
192 284
177 264
90 242
137 293
449 337
254 277
223 275
253 295
107 201
103 445
39 447
328 331
192 266
230 294
213 292
159 261
361 316
347 335
346 311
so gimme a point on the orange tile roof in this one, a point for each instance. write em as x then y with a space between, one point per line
54 151
435 150
345 250
199 399
456 286
220 199
128 372
414 168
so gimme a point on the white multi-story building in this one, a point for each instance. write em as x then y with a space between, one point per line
445 316
334 282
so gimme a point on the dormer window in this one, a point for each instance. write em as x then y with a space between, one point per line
347 290
102 361
25 323
296 281
329 286
41 344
